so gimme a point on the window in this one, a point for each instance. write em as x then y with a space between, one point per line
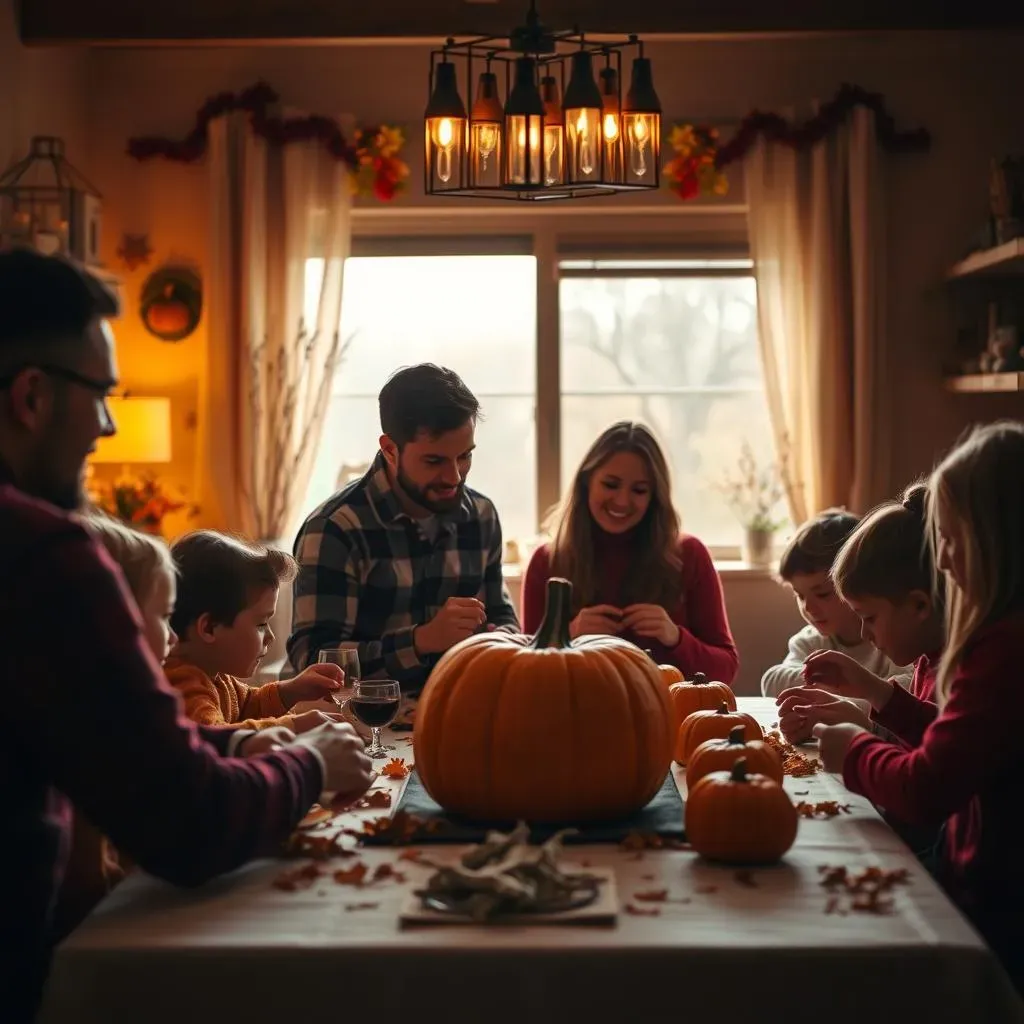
673 344
476 314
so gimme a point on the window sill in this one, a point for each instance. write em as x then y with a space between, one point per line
728 569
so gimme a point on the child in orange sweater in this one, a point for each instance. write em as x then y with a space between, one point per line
227 594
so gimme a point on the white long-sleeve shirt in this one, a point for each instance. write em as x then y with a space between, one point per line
807 641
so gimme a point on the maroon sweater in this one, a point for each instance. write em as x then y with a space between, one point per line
964 768
88 717
705 641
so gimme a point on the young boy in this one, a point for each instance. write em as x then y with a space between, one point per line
832 625
227 594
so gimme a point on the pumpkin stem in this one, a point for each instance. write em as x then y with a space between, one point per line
554 629
737 736
723 709
739 770
699 679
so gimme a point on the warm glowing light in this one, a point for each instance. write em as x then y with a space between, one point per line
611 127
445 133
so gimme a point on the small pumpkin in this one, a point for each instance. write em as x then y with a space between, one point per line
544 728
740 818
721 755
171 303
670 675
712 725
699 694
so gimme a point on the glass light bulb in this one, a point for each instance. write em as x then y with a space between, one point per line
487 136
638 147
611 127
584 144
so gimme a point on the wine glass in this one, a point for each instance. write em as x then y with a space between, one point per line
375 704
347 658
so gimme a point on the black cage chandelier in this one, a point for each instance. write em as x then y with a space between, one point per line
561 133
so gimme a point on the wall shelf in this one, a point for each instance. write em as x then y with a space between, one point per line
975 382
1000 261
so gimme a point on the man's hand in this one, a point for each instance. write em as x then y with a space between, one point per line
266 740
347 769
460 617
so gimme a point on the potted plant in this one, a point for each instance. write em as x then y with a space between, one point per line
754 496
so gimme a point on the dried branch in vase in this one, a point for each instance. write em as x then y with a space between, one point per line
755 494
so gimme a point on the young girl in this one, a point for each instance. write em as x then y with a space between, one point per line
965 765
884 573
93 866
634 574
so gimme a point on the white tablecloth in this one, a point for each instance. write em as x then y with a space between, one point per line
239 949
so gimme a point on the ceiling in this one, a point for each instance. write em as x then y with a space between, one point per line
99 22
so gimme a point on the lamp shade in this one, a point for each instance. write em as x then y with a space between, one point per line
143 432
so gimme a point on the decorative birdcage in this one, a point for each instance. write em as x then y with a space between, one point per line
45 203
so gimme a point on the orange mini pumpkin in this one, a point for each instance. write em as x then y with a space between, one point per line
720 755
712 725
544 728
740 818
670 675
699 694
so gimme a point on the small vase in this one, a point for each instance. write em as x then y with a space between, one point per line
757 547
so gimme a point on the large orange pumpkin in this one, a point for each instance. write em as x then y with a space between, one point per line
740 818
720 755
544 728
712 725
699 694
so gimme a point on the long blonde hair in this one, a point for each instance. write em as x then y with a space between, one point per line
978 489
654 575
139 555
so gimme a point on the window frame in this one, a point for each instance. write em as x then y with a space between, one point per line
710 233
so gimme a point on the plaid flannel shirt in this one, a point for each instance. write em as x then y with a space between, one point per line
369 574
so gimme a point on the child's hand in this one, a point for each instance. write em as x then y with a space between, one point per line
838 673
315 683
311 719
833 743
802 707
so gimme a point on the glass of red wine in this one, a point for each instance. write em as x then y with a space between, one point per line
375 703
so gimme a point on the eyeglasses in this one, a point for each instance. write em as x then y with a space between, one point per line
101 387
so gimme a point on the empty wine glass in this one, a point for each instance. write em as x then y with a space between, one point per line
347 658
375 704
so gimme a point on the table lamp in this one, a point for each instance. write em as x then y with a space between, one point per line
143 432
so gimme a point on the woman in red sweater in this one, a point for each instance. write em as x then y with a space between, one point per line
634 574
965 766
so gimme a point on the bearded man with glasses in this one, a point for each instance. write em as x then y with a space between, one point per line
85 712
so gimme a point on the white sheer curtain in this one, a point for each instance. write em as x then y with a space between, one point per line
816 224
269 364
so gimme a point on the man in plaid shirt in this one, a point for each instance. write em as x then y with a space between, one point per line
406 561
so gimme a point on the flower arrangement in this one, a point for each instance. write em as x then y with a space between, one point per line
378 171
692 172
141 502
755 494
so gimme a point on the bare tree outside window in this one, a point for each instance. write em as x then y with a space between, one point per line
679 352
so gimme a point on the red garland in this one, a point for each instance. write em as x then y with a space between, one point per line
776 128
276 130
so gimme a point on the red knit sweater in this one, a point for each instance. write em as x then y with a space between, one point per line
705 640
965 768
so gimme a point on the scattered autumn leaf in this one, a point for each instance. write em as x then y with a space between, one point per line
316 815
793 762
353 875
396 768
642 911
746 878
652 896
374 799
297 878
868 891
400 828
320 847
822 809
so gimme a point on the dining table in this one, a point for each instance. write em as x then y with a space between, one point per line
690 941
